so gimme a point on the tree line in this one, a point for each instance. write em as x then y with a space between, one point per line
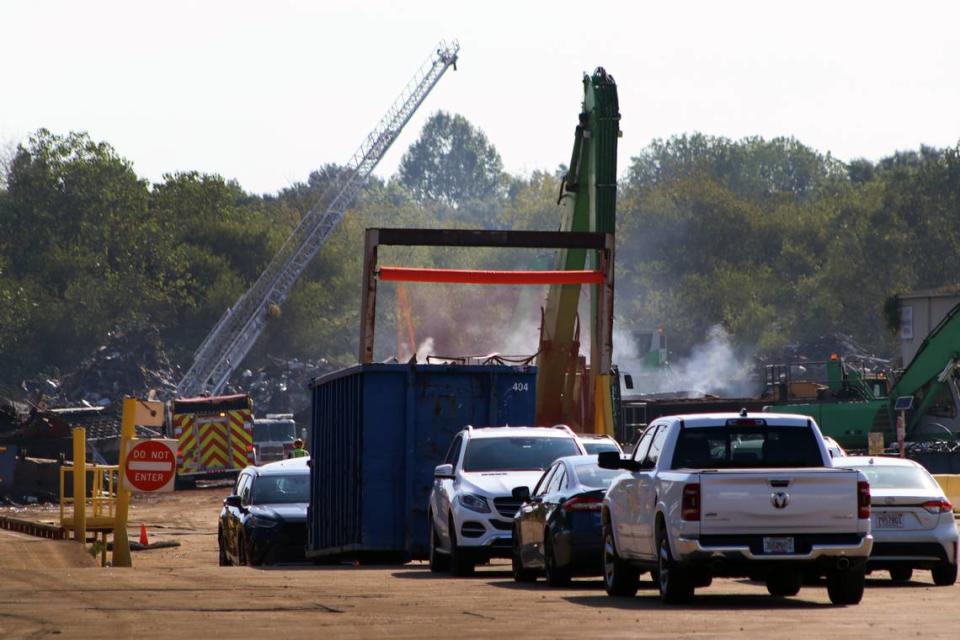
780 244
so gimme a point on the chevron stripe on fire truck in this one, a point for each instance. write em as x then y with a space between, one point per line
213 445
242 438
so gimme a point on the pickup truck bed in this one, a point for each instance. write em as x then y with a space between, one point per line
735 495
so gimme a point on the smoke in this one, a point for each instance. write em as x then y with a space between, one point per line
425 349
714 367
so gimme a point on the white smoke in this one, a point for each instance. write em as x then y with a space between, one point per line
425 349
713 367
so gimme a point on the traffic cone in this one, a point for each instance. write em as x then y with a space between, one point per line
143 536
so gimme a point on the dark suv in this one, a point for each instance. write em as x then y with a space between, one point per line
265 519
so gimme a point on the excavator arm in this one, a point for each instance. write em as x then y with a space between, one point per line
567 392
932 367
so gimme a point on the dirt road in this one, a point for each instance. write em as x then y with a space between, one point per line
47 588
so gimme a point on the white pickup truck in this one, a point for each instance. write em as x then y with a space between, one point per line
734 495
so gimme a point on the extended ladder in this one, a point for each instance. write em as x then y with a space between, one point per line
237 331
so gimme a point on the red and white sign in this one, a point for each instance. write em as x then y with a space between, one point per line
151 466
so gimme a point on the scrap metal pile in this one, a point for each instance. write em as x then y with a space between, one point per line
132 362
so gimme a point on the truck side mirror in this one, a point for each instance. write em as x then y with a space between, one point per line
628 381
232 501
443 471
613 460
521 493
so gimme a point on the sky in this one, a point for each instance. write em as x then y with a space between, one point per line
265 92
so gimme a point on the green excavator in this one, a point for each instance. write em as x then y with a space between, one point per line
568 390
851 405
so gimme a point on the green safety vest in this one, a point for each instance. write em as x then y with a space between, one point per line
298 453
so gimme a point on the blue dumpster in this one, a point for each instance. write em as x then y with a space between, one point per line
378 431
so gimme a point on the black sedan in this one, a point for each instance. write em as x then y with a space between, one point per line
557 529
265 519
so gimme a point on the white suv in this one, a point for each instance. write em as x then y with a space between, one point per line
472 504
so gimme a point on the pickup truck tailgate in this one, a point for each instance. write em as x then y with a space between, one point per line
778 501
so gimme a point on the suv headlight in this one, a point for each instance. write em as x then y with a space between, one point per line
474 502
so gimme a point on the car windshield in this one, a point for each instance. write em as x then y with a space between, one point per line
590 475
274 489
274 431
891 477
594 447
516 453
739 447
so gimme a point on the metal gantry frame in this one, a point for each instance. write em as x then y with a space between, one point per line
602 243
238 329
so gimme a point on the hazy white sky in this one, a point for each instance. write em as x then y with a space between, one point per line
264 92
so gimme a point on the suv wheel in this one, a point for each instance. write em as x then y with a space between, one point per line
674 581
224 560
438 561
784 583
619 577
461 561
846 587
901 574
520 573
945 575
556 576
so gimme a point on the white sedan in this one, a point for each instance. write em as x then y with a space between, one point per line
912 523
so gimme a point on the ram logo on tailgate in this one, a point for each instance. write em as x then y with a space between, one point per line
780 499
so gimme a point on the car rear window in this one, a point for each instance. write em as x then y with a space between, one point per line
590 475
889 477
743 447
517 453
280 489
594 447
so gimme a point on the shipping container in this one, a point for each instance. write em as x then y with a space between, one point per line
378 431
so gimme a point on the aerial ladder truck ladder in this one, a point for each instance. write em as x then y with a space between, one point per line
235 334
567 392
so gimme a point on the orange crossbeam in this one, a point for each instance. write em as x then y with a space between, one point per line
484 276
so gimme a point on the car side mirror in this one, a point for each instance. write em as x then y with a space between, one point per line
443 471
232 501
613 460
521 493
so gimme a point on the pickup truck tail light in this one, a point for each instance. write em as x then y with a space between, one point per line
690 506
583 503
938 506
863 500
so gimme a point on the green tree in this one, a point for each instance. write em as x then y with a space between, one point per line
452 162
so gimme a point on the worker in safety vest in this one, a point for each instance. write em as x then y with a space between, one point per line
298 450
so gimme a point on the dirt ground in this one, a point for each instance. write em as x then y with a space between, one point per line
55 588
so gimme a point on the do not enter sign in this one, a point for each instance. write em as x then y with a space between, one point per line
151 466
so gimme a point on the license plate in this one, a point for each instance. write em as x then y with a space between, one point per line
890 520
778 545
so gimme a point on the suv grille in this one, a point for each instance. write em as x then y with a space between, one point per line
507 506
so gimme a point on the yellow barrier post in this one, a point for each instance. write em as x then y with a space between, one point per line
80 484
121 545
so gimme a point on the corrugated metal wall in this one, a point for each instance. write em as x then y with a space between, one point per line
377 433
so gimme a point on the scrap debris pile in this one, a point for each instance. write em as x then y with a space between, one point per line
282 386
132 362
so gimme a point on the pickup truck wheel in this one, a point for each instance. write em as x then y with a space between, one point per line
674 581
846 587
461 562
945 575
784 583
901 574
620 578
520 573
438 561
556 576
